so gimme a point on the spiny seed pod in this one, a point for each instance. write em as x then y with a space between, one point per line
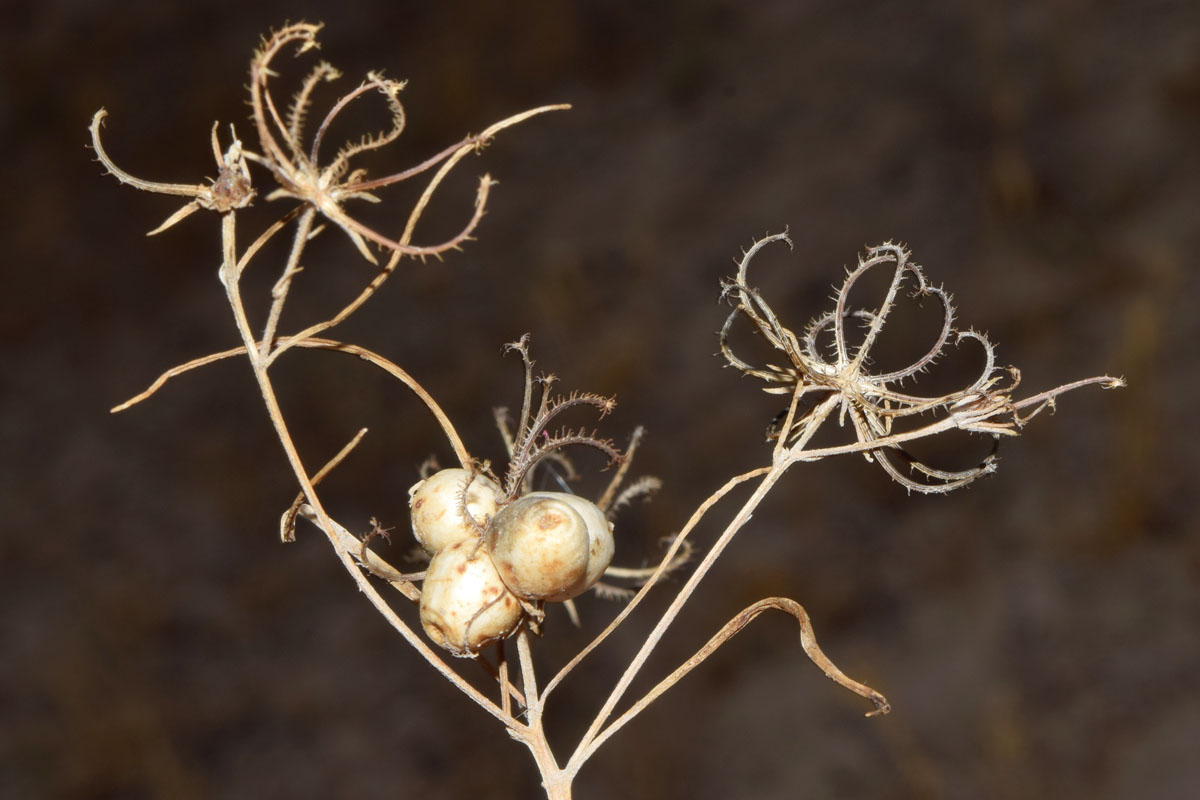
550 545
437 507
464 604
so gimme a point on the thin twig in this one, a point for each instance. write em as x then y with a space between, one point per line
808 642
287 523
740 519
460 450
279 293
663 568
336 533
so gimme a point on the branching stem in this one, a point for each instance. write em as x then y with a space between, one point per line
228 275
822 379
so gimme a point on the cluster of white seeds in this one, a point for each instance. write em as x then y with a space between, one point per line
486 559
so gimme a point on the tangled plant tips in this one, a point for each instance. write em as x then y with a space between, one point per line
503 552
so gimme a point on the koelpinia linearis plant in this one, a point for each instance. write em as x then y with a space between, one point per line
834 382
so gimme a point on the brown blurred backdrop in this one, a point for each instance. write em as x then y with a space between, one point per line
1036 634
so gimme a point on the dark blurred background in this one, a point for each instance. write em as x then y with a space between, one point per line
1036 633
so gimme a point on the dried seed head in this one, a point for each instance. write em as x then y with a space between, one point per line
550 545
441 502
464 604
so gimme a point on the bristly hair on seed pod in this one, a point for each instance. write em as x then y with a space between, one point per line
843 381
533 442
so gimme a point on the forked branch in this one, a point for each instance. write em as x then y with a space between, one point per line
808 641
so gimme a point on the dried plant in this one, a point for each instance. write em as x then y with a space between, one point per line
494 616
873 402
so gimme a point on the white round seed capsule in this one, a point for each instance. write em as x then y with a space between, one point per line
540 548
464 604
550 545
438 519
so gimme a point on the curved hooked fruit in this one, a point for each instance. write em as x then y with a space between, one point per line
550 545
437 504
464 604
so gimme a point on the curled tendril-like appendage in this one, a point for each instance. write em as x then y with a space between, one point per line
533 442
315 189
842 381
326 188
321 189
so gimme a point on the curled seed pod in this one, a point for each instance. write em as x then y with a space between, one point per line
437 504
550 545
464 604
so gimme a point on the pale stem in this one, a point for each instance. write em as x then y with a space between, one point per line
555 780
664 566
502 678
951 422
466 147
280 292
228 276
786 429
460 450
458 155
178 189
588 743
266 236
287 522
511 692
877 318
533 703
618 477
348 542
1104 381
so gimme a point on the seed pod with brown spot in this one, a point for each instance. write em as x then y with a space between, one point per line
550 545
464 604
438 510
